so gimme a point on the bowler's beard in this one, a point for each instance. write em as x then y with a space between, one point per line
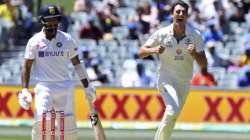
180 24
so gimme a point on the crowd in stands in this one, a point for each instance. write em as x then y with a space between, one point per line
16 22
110 32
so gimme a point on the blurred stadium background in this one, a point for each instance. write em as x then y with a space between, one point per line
109 33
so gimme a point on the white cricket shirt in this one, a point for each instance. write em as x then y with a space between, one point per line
175 62
51 58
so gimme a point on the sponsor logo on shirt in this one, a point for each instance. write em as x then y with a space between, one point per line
48 54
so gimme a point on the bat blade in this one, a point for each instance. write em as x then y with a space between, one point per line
96 123
99 132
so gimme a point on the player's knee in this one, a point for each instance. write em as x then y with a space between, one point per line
37 127
173 112
170 115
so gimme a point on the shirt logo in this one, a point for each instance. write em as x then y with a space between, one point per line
59 44
169 44
179 56
48 54
167 41
178 51
52 10
188 41
40 45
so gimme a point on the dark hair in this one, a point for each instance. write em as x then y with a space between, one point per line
179 2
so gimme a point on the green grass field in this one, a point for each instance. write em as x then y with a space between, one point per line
14 138
22 133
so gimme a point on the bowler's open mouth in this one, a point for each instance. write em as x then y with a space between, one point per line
180 19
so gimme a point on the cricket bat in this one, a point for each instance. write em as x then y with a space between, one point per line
94 118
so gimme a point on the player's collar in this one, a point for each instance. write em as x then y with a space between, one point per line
171 31
43 34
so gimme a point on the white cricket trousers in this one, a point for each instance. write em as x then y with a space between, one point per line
60 97
174 95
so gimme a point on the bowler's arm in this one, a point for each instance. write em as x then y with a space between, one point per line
146 51
201 59
26 73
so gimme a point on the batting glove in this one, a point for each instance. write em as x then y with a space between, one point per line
94 118
25 99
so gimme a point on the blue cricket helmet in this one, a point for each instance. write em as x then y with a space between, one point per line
49 11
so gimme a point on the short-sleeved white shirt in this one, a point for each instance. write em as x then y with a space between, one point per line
175 62
51 57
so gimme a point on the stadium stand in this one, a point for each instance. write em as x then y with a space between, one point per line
108 55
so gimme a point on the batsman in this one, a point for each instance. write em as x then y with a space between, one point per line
47 55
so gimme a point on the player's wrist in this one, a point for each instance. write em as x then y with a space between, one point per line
153 51
91 89
194 54
94 118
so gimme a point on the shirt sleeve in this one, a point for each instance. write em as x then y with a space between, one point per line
154 40
73 49
199 42
29 51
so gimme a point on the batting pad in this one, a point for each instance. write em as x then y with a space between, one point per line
37 130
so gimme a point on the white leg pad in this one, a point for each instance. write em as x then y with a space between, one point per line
37 130
166 127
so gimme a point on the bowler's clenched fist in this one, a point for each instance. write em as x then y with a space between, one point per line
191 49
159 49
